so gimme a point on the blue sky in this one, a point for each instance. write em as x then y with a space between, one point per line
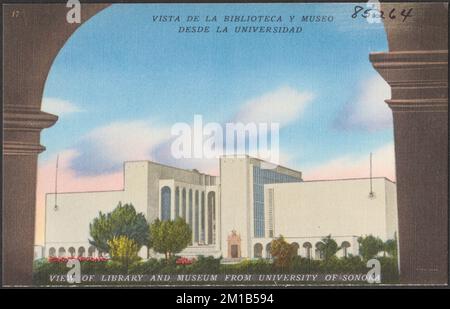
121 71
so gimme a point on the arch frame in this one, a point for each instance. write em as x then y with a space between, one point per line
22 112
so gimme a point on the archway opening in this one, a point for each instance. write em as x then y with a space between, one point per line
258 250
165 203
308 248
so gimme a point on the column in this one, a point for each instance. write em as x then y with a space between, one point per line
28 54
189 209
416 68
172 203
194 217
207 223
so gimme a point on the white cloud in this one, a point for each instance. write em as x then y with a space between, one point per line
106 148
283 105
59 107
369 111
128 139
351 166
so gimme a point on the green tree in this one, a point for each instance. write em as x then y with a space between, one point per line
329 247
390 247
369 246
169 237
122 221
123 250
282 252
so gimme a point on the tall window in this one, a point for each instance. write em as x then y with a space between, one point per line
295 246
262 177
319 250
203 218
190 208
268 254
307 247
257 249
270 212
177 202
211 217
165 203
183 204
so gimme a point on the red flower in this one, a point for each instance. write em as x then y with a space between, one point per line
184 261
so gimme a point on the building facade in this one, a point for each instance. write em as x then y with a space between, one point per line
235 215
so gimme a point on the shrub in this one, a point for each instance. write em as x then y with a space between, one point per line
259 266
389 270
369 246
282 251
124 250
206 265
169 237
122 221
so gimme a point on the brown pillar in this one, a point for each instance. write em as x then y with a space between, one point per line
33 35
416 68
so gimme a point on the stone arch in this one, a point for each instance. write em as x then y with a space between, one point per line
257 250
27 63
308 250
165 203
61 252
52 252
234 245
81 251
268 249
22 114
71 252
295 247
91 251
319 254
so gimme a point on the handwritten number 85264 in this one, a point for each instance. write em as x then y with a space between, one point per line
374 13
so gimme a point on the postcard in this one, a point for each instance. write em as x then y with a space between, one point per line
225 145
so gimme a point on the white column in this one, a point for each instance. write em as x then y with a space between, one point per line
214 220
200 217
191 208
194 218
207 241
217 239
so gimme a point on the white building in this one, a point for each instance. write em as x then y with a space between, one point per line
234 215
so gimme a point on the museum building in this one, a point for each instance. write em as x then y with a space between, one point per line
234 215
